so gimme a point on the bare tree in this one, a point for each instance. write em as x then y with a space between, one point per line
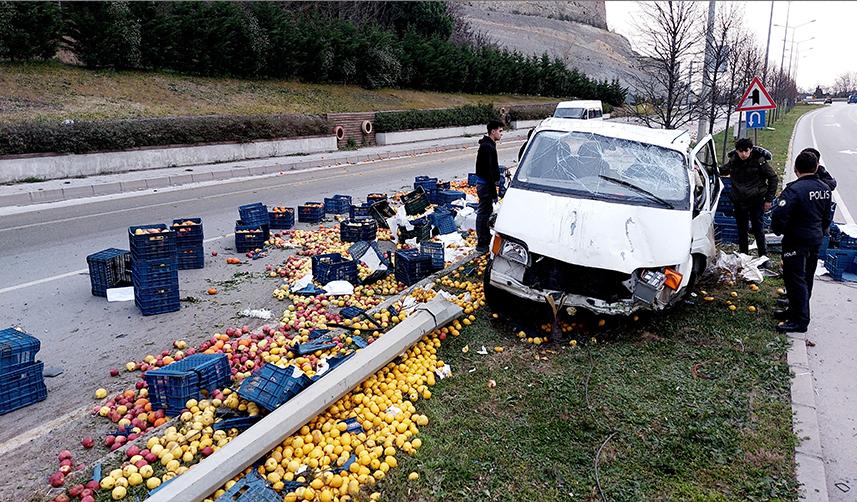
845 84
740 44
670 40
728 21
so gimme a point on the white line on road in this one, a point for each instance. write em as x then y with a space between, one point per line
840 204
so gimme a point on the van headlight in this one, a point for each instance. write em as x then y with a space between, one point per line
514 252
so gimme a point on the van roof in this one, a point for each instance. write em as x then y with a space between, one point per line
667 138
581 103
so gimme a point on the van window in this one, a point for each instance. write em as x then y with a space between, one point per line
570 113
598 167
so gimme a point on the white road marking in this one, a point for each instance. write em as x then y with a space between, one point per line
41 430
840 204
849 152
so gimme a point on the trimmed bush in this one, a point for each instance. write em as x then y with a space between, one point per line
531 112
110 135
430 119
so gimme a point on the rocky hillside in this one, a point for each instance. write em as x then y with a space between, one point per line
573 31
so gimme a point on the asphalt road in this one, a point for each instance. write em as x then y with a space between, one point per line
45 289
833 131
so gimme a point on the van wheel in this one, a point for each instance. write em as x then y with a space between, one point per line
498 300
699 264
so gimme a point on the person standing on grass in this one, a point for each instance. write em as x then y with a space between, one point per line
802 217
488 172
754 184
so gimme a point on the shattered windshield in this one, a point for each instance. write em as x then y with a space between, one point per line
604 168
570 113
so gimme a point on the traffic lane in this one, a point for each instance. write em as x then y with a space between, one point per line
55 240
86 336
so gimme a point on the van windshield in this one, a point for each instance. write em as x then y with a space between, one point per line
570 113
604 168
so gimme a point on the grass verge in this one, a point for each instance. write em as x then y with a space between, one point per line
53 91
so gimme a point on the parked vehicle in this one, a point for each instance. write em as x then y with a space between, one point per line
852 98
605 216
828 101
583 110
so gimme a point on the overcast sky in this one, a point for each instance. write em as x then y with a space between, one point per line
834 49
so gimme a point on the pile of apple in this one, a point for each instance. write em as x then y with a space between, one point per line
131 411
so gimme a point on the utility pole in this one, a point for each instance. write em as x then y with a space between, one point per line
768 45
778 95
707 68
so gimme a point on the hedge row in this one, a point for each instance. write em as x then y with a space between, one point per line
425 119
111 135
531 112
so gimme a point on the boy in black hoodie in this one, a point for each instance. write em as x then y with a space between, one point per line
754 184
488 171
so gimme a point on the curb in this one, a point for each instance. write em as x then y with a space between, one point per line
809 457
165 180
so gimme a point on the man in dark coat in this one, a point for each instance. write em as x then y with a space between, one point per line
802 217
754 184
488 171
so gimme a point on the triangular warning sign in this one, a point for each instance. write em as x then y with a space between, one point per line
756 97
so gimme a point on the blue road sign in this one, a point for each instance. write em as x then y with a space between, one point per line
755 119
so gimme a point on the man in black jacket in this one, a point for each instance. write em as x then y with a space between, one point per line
822 173
488 171
802 217
754 184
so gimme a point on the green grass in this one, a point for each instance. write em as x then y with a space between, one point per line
53 91
776 140
696 402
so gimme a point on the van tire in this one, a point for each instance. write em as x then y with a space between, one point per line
498 300
696 271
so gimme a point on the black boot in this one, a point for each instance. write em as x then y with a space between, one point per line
790 327
781 314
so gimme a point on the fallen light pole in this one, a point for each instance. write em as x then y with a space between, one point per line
212 473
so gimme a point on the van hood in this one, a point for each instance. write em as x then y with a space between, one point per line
593 233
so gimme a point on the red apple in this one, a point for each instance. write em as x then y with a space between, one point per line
114 372
88 498
65 454
109 440
214 253
93 485
87 442
76 490
62 497
206 451
56 479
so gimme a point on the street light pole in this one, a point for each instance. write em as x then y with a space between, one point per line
708 63
768 45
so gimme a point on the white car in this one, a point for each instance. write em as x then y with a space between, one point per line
580 109
605 216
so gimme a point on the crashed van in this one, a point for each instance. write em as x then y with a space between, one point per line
609 217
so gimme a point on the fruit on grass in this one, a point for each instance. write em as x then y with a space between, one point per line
56 479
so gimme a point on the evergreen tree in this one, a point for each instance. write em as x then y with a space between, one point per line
103 34
29 30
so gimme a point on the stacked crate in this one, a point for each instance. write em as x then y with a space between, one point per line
725 228
282 218
193 377
21 379
154 269
189 238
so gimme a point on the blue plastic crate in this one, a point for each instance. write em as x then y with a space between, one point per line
446 196
250 488
311 212
152 246
412 266
436 251
283 219
159 300
108 269
249 236
191 257
358 249
421 232
444 221
155 268
361 211
190 233
472 179
306 348
375 197
271 386
443 185
254 214
338 204
22 386
17 349
415 202
840 261
427 183
358 230
351 312
239 423
333 267
381 210
173 385
846 241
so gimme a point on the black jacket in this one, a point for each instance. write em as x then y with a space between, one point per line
826 177
752 179
487 166
802 214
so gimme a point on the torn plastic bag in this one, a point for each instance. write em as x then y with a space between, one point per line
302 282
739 265
339 288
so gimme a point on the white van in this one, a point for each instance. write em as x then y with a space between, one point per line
605 216
583 110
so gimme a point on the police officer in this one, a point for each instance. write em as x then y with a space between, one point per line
802 217
823 173
754 184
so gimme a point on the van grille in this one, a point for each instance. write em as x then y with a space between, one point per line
550 274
